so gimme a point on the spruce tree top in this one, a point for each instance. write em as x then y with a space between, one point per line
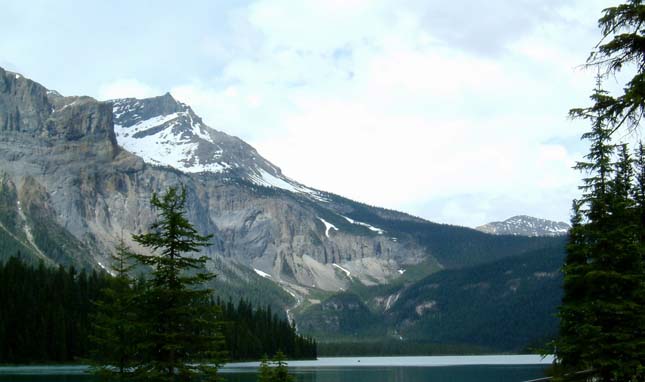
172 237
622 45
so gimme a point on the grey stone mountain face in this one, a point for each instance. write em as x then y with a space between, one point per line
523 225
72 181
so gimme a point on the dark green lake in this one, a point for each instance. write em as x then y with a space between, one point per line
363 369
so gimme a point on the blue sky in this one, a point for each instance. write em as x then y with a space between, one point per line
453 111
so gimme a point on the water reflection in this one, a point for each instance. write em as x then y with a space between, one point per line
386 369
408 374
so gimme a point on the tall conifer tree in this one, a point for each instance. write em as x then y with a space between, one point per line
115 328
622 46
603 274
181 332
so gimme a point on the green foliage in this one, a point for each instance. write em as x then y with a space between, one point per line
12 234
280 372
505 305
8 199
116 330
265 373
10 245
340 316
65 324
622 45
45 312
29 226
180 328
53 239
602 317
275 370
241 283
250 333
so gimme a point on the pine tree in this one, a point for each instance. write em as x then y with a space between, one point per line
115 328
622 45
281 372
265 373
275 370
601 315
639 188
180 326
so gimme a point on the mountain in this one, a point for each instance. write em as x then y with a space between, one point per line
71 154
504 306
77 174
165 132
523 225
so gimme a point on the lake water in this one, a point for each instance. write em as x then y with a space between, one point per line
516 368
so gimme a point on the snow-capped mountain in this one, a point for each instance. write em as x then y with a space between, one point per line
165 132
523 225
77 174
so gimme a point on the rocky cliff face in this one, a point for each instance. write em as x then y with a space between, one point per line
89 168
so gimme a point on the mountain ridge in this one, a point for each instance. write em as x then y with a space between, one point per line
524 225
166 132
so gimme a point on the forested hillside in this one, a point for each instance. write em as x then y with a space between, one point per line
506 305
46 316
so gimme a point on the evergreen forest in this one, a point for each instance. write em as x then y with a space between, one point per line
602 316
46 315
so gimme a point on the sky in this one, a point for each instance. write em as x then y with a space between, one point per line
454 111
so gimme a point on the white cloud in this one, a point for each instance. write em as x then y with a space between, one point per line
124 88
380 109
455 111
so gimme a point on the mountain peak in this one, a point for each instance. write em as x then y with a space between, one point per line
524 225
166 132
130 111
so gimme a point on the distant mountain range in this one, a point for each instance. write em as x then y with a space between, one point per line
77 174
523 225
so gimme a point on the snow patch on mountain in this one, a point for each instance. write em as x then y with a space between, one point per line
111 272
263 274
368 226
328 226
263 178
348 273
171 140
166 147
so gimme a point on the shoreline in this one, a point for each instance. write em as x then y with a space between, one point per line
321 362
